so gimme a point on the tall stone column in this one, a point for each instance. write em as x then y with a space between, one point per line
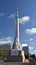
17 26
16 39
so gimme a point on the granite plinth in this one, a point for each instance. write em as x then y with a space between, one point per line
16 57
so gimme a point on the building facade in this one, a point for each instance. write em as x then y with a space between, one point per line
26 49
5 48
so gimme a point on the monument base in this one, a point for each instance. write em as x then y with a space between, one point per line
15 59
16 56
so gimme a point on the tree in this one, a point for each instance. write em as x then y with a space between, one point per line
26 55
0 53
33 56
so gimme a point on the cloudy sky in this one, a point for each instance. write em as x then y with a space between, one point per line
27 17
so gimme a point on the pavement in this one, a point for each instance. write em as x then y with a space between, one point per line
17 63
26 62
10 63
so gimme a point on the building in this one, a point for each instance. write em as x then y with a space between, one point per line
25 48
5 48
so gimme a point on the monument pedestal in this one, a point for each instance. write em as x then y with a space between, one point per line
16 56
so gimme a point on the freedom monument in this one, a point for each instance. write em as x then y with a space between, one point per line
16 54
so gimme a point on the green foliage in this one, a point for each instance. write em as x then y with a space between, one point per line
26 55
0 53
32 56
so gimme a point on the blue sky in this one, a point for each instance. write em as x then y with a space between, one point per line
27 17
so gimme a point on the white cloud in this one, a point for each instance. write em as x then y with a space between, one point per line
31 39
30 48
6 40
24 44
11 16
2 14
34 52
31 31
21 20
24 19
